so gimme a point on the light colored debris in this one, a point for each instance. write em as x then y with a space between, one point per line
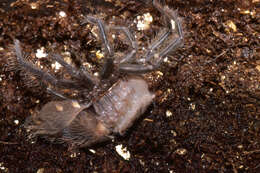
168 113
99 54
173 133
258 67
49 6
59 107
62 14
123 152
173 24
16 122
75 154
87 65
192 106
113 36
41 53
240 146
75 104
96 74
67 58
181 151
166 59
245 12
34 5
92 151
94 30
231 25
149 120
142 162
143 22
159 73
41 170
2 167
56 66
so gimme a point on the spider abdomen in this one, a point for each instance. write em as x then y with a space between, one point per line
79 125
125 101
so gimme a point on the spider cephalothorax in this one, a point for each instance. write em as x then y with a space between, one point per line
82 124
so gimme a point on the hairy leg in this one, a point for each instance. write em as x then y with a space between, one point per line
39 73
51 91
102 31
108 66
131 40
83 76
154 59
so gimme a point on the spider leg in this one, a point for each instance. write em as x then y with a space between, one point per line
103 33
154 59
136 68
144 68
131 40
109 63
172 22
41 74
78 74
51 91
149 54
107 68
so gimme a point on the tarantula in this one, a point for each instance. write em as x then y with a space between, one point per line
83 124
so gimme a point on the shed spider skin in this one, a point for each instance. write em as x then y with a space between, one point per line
81 124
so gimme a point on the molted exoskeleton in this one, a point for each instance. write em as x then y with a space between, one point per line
112 111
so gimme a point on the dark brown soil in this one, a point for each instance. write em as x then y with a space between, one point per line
205 118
